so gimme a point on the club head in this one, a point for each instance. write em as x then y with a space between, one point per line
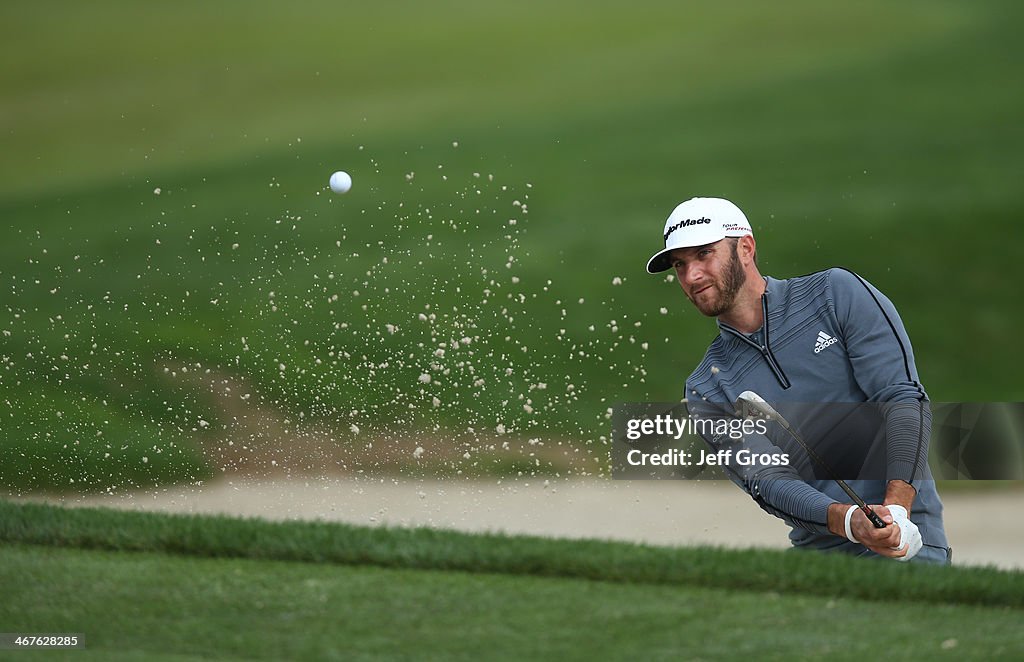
750 404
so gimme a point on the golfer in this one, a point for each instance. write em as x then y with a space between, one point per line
828 337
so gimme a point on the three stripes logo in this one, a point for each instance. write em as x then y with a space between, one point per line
823 341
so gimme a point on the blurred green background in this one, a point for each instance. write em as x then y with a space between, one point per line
176 276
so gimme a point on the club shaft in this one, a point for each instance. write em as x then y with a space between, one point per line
871 515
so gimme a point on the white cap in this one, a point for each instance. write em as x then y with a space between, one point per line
697 222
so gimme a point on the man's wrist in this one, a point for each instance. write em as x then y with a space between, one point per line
900 492
837 518
848 524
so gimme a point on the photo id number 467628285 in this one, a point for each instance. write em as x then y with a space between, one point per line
50 641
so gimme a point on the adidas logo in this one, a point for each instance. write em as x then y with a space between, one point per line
823 341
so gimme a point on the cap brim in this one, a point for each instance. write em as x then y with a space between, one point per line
660 262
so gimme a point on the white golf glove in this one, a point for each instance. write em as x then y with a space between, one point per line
910 535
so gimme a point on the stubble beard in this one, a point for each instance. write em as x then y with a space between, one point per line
728 287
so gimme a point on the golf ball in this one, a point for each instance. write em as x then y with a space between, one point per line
341 182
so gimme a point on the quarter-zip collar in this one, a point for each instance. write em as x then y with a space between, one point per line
761 339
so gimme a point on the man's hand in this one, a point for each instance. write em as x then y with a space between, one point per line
910 535
884 542
879 541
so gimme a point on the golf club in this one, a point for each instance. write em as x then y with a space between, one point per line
752 402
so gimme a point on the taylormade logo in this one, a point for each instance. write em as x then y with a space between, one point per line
824 340
683 224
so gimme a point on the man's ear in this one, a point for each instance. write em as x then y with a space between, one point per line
747 249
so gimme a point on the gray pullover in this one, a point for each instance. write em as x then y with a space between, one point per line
828 337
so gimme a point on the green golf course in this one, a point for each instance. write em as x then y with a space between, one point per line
178 283
170 220
139 585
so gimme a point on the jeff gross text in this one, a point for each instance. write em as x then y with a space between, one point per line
703 458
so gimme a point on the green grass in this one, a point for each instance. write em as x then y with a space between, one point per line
158 606
175 587
764 570
879 145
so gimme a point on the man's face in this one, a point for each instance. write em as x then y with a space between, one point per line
710 275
